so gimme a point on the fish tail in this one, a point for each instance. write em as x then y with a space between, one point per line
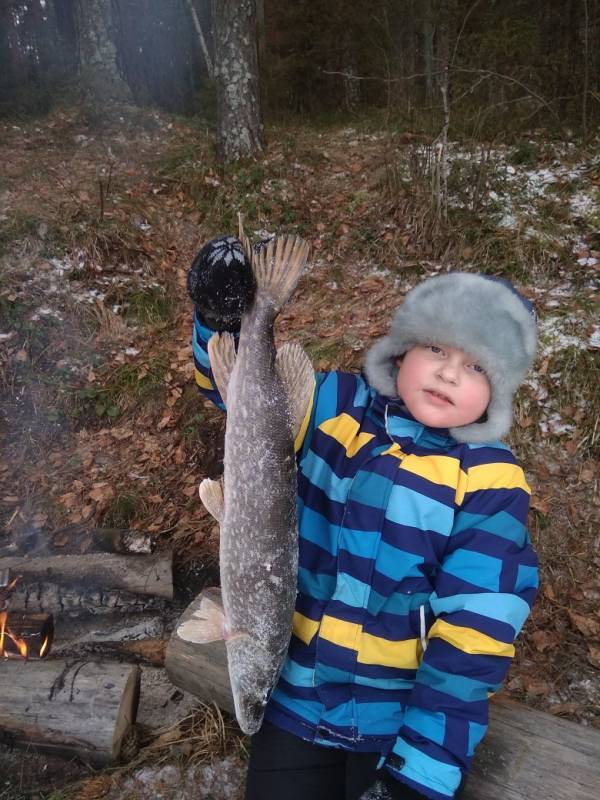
278 266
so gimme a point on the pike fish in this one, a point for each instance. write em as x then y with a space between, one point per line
267 395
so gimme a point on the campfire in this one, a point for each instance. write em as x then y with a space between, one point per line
71 627
23 635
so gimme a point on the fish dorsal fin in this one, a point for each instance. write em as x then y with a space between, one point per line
221 352
211 494
207 624
298 378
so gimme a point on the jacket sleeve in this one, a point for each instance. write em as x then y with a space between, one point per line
202 371
484 590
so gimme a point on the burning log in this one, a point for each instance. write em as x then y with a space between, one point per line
102 581
200 669
25 635
84 709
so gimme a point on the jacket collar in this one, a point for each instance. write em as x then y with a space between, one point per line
403 429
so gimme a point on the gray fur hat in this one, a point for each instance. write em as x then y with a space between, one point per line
486 317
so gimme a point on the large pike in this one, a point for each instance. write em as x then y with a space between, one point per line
267 395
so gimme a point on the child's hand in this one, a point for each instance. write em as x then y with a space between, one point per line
221 283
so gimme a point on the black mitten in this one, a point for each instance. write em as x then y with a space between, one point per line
221 283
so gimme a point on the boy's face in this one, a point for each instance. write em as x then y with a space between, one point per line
442 386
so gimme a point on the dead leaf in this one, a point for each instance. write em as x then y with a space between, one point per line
594 654
541 504
588 627
69 500
21 356
545 640
536 686
164 422
558 709
101 493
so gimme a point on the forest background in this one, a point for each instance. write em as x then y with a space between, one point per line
402 139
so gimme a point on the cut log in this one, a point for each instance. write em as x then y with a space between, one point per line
79 539
525 754
101 581
200 669
101 636
25 635
84 709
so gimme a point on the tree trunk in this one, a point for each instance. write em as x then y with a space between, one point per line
239 118
99 70
428 35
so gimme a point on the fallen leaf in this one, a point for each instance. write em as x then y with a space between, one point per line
588 627
534 685
69 500
558 709
594 654
545 640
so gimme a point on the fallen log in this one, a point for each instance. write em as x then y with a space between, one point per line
84 709
102 581
525 754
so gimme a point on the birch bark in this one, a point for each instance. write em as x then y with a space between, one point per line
240 132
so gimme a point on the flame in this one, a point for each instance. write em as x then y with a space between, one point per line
44 646
5 633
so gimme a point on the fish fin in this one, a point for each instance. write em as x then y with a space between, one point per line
278 267
207 624
211 494
298 378
221 352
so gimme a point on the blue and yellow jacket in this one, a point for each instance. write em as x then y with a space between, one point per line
416 574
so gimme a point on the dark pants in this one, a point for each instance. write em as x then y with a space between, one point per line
284 767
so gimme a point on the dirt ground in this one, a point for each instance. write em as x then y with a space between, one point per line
101 422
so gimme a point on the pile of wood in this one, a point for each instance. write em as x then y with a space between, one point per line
78 615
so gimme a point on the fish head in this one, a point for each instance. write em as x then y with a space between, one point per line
253 672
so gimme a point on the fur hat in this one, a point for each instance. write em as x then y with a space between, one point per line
483 316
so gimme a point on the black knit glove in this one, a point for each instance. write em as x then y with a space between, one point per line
221 283
386 788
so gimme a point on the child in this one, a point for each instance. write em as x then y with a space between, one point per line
416 570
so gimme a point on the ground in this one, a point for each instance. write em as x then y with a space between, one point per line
101 421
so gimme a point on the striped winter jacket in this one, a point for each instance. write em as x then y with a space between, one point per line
416 574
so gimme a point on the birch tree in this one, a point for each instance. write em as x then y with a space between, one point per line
99 71
240 131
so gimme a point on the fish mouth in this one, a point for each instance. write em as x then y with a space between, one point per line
438 397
